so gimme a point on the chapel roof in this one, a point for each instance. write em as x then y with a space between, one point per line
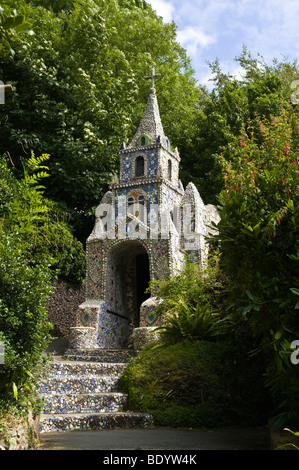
150 124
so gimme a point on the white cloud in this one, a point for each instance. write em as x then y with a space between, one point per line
192 38
210 29
163 8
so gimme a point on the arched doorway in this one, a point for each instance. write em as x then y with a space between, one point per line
142 280
128 276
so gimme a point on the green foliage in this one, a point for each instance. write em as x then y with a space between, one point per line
56 242
258 237
185 321
12 25
292 444
25 212
23 319
33 247
194 283
195 384
190 301
261 90
80 91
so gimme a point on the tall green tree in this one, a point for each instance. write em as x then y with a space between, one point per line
36 246
80 91
261 90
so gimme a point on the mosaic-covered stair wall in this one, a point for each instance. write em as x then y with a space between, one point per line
81 394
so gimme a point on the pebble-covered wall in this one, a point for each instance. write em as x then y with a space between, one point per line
146 215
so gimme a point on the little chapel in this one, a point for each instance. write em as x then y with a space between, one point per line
145 225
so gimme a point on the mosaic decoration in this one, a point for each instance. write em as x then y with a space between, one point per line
160 254
148 313
145 215
78 395
82 337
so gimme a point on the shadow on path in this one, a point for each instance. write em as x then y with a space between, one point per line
158 439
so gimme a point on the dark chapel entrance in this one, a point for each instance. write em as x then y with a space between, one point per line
128 276
142 279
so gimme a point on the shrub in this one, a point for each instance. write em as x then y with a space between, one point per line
195 283
192 301
192 322
23 320
258 239
31 255
195 384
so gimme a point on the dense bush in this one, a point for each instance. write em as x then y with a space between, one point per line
31 256
196 384
23 319
259 243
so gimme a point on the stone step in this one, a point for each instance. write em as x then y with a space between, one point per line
69 368
79 392
84 403
78 384
100 355
94 421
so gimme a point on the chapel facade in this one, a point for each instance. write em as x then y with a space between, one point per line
145 226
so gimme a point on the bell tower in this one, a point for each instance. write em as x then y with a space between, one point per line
149 169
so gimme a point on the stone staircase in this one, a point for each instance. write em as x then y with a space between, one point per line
80 393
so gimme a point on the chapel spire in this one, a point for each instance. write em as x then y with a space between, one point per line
150 125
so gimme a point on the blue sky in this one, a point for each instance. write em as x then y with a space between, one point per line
210 29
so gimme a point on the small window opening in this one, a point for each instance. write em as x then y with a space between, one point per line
139 166
169 170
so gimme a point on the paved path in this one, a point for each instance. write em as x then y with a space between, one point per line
153 438
158 439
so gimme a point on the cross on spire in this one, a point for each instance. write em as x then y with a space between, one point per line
152 77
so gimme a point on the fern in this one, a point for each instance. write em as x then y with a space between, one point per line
35 164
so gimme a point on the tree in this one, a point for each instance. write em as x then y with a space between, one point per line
261 90
80 91
12 25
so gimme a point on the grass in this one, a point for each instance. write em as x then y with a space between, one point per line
193 384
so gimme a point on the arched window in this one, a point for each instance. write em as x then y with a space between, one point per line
131 203
137 205
141 207
142 140
139 166
169 169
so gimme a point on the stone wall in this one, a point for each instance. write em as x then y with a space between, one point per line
63 305
16 433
